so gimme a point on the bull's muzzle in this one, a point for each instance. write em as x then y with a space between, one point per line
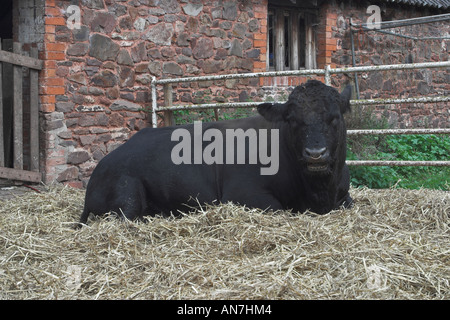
316 159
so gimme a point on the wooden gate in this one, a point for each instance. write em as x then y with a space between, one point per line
19 113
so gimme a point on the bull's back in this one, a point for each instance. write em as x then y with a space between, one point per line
142 170
142 175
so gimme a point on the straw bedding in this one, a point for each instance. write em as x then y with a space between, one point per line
393 244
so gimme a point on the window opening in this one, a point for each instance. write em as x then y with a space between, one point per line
291 39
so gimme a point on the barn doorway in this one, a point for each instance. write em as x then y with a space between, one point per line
6 44
6 19
21 31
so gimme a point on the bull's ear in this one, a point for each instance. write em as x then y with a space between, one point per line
346 95
274 112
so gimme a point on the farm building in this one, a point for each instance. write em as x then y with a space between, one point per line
82 80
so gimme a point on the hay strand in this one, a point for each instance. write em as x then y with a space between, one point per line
393 244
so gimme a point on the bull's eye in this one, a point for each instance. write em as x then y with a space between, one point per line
334 121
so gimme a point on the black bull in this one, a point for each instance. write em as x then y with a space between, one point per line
160 171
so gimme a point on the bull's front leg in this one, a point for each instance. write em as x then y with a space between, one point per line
254 199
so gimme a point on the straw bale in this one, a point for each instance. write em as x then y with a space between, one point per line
393 244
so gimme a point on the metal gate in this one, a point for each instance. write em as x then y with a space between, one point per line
327 72
19 126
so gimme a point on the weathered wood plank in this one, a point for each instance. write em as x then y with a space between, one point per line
7 87
34 115
294 56
310 62
18 112
279 40
2 146
23 61
20 175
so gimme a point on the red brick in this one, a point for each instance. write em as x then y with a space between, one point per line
47 107
332 41
320 60
48 99
50 3
259 43
48 73
259 36
55 21
332 15
49 64
55 12
261 15
259 65
50 29
53 90
296 81
54 55
53 82
322 41
330 22
49 37
55 46
260 8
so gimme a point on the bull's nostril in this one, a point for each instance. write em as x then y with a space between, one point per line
315 153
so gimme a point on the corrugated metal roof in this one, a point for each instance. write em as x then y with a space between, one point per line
440 4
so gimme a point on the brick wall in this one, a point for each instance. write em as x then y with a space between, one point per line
327 42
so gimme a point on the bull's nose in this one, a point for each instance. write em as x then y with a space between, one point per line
315 154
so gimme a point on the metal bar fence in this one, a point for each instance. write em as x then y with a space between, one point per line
327 72
407 22
352 102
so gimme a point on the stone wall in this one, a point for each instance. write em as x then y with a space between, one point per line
28 22
212 37
95 86
374 48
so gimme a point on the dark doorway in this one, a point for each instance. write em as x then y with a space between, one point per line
6 19
6 38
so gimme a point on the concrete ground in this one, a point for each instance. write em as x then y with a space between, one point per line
10 190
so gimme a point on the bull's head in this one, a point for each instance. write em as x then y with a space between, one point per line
314 116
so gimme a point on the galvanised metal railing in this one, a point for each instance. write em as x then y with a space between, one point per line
327 72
